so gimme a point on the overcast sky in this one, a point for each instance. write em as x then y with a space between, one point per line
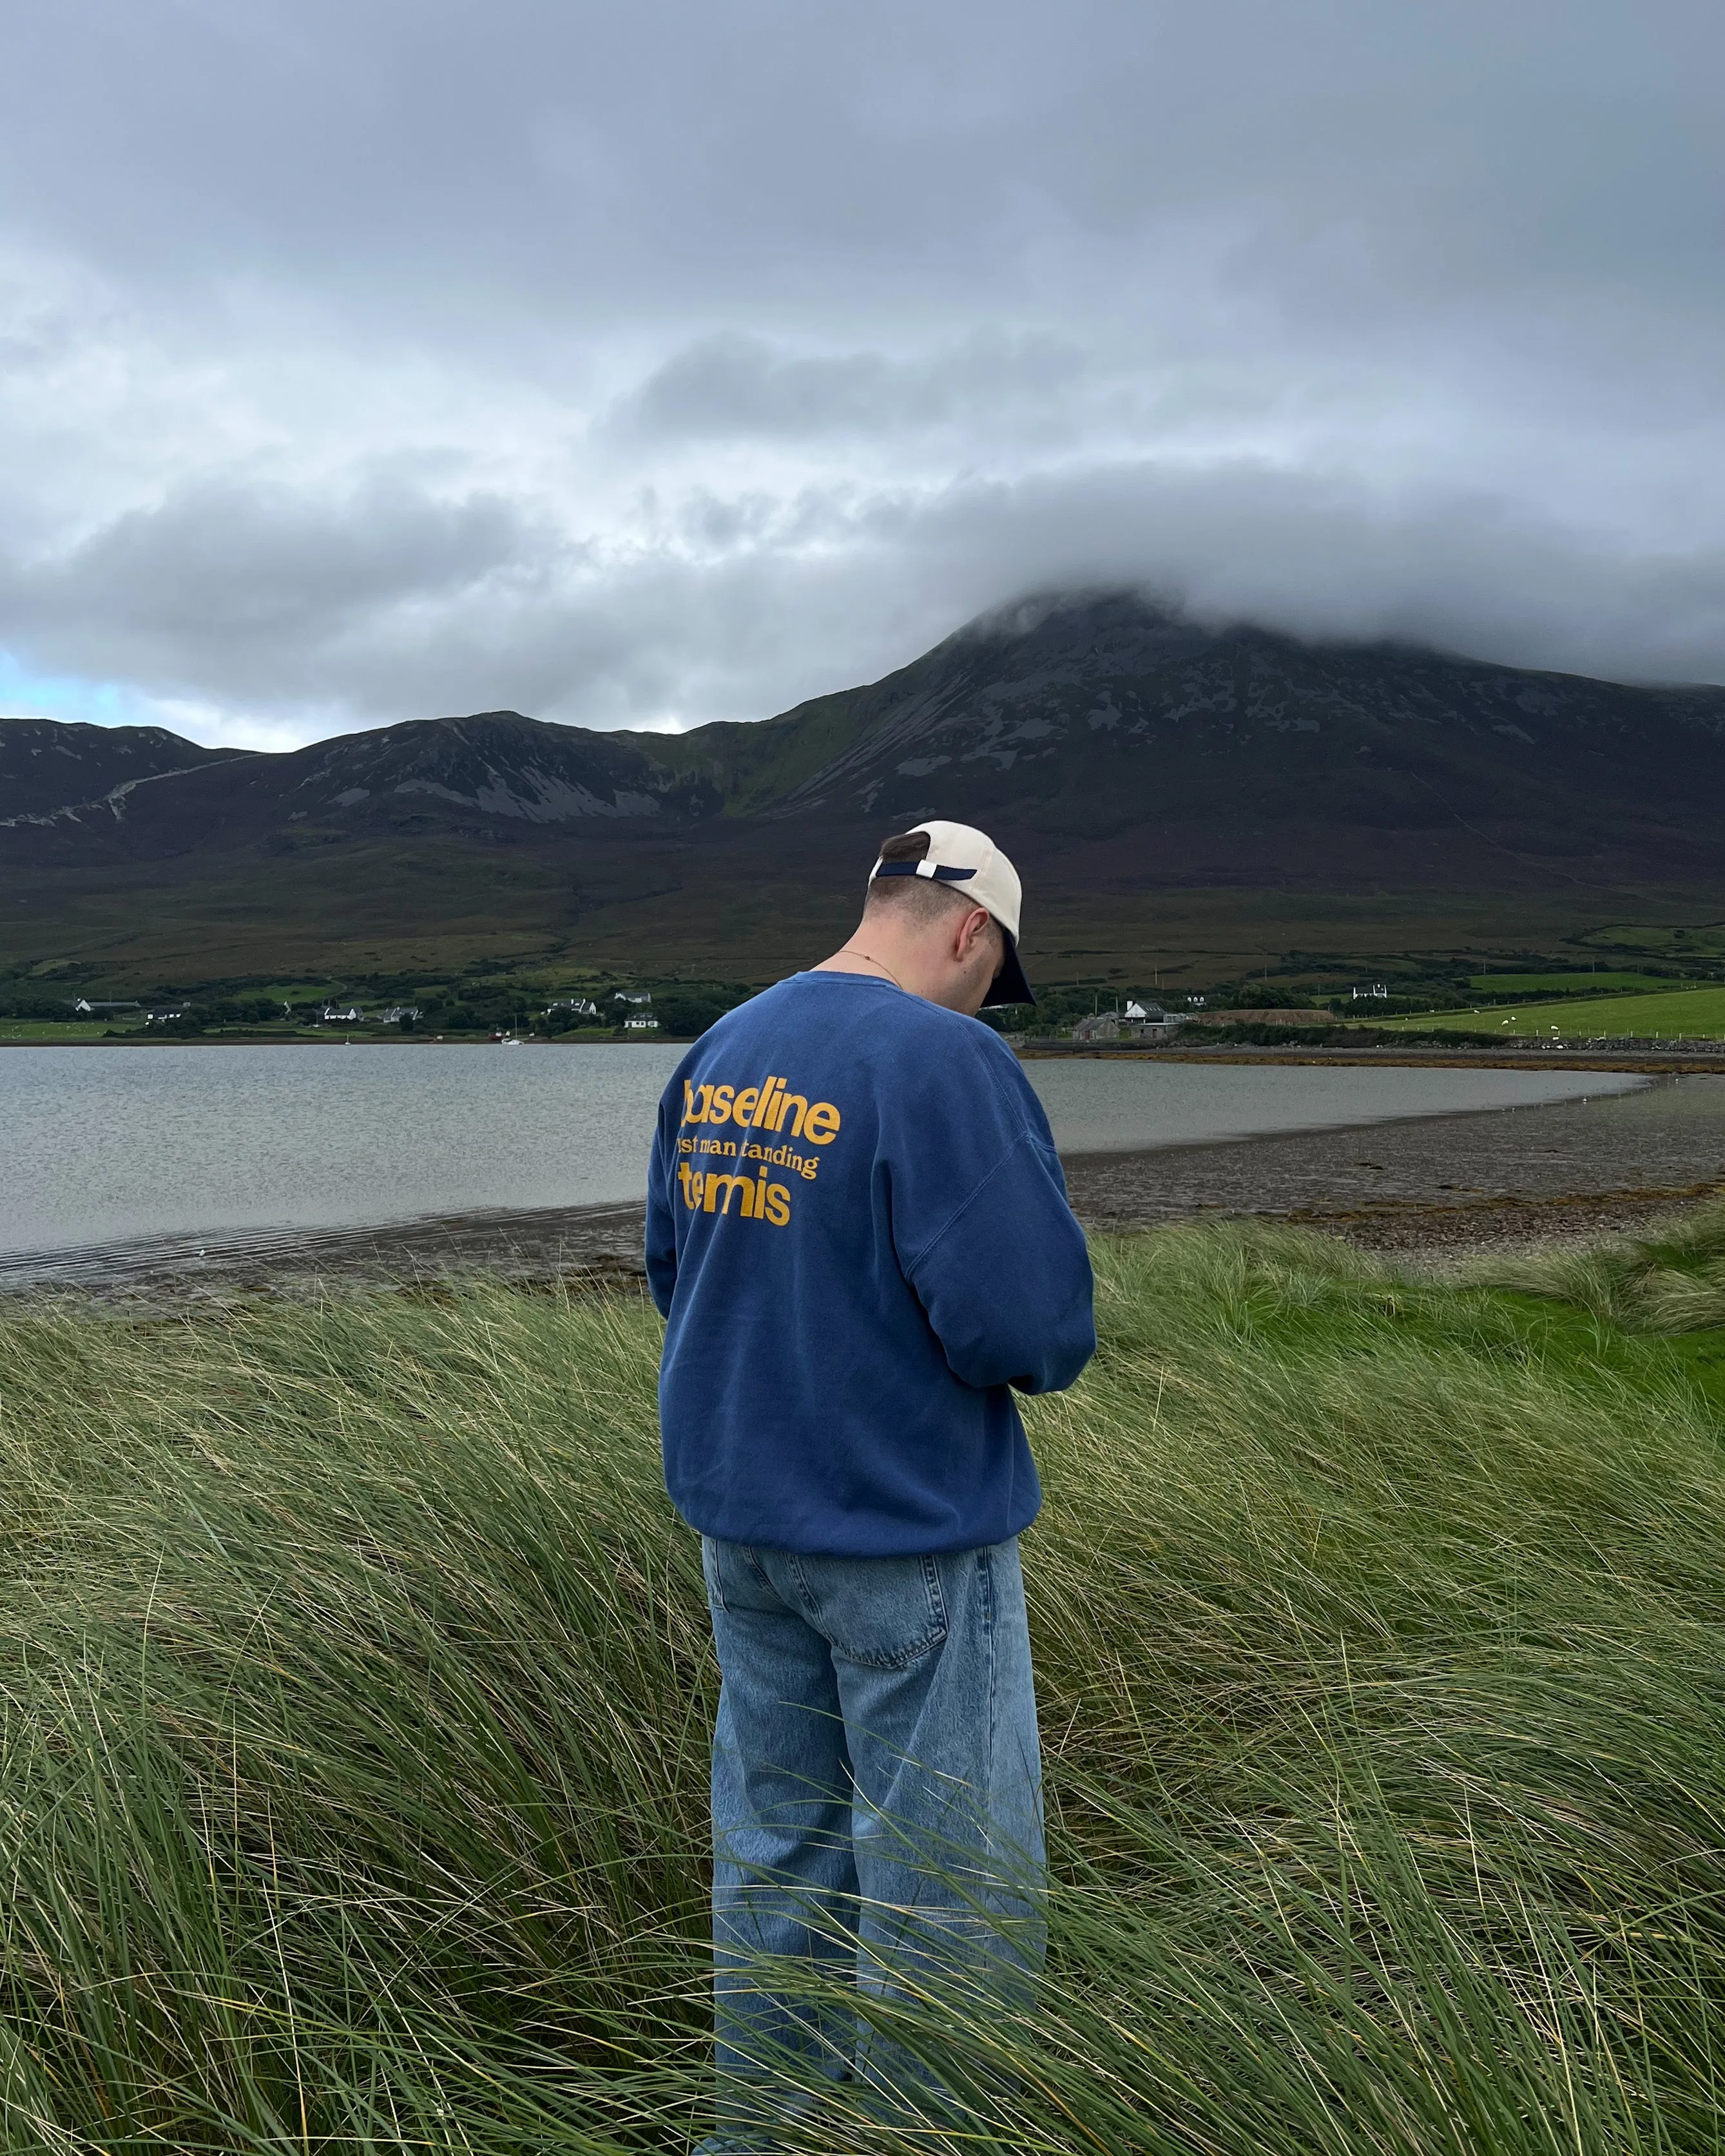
651 363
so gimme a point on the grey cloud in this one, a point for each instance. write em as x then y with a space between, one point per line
764 627
730 386
242 587
1325 559
520 165
407 614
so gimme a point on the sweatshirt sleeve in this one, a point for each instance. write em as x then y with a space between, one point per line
1005 1280
661 1251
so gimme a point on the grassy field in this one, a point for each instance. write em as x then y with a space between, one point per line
355 1686
1696 1013
46 1033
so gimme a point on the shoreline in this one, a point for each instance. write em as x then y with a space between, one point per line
1474 1179
1653 1062
1676 1060
1429 1187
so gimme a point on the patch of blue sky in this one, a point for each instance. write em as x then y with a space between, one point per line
27 693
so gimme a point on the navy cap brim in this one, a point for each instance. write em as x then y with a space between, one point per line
1008 985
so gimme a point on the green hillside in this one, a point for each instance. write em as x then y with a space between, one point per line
1696 1013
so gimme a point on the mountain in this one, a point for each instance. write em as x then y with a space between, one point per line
1108 711
1133 758
45 764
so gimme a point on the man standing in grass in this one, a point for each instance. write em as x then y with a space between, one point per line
858 1231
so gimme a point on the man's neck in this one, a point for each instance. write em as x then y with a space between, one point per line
859 957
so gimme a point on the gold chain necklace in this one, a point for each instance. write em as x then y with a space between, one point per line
873 961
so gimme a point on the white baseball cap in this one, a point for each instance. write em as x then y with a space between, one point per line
959 855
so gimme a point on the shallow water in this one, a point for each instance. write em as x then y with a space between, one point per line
1125 1107
103 1144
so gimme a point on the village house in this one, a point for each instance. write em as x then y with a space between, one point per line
638 1012
1143 1022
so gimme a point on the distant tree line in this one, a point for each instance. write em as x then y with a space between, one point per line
683 1010
35 1007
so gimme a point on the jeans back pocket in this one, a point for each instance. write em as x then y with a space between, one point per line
884 1612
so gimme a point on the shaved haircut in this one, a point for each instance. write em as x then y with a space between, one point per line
919 899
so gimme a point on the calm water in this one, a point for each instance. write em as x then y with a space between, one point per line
1120 1107
98 1145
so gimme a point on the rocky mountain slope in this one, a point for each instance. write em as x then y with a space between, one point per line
1108 712
46 765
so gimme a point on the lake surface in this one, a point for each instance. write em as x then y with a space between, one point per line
101 1144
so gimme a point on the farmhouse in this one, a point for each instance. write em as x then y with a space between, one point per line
1146 1022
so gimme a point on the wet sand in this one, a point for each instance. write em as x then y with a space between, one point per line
1442 1185
596 1245
1572 1169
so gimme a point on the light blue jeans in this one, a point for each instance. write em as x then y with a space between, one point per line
877 1813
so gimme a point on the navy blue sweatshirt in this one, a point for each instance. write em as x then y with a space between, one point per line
858 1232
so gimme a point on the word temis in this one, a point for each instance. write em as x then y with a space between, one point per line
758 1200
766 1107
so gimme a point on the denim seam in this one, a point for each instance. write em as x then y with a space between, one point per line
939 1615
710 1567
985 1566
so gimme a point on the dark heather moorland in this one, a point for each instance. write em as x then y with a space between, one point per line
1189 804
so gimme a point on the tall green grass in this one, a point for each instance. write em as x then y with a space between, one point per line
355 1686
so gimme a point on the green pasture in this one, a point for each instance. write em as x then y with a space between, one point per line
46 1032
355 1687
1696 1013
